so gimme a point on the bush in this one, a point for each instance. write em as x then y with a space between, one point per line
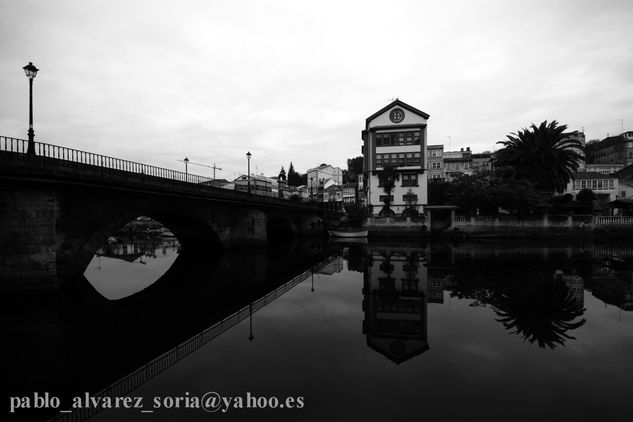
356 214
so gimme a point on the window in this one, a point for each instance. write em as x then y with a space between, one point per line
410 179
409 285
401 160
379 160
436 165
397 138
409 198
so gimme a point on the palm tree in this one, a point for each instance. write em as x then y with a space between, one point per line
544 154
387 178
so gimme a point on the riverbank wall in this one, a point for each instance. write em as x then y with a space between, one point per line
507 227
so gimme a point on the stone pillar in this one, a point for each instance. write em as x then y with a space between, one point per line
28 239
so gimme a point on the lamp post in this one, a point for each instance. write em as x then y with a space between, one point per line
31 71
251 337
248 157
186 160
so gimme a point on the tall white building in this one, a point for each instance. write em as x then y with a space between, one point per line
396 136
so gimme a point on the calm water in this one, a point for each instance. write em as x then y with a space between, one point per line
375 331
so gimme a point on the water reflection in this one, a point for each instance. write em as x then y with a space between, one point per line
86 341
395 285
121 268
368 306
541 311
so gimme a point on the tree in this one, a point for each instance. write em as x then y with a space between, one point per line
282 175
411 204
356 214
487 191
293 177
586 195
438 193
545 155
354 168
387 178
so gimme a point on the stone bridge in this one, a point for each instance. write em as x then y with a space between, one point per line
59 206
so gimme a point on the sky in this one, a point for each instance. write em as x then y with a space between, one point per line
293 81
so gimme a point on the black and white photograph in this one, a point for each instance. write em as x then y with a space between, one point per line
346 210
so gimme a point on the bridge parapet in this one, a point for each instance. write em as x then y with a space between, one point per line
60 163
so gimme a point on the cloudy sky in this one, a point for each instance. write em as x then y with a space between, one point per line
155 81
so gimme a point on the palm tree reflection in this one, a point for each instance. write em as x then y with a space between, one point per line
536 306
542 312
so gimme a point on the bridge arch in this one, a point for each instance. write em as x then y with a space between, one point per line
279 229
86 228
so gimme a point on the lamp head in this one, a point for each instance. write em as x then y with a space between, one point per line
30 70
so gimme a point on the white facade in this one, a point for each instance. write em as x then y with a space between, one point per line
396 136
605 187
318 175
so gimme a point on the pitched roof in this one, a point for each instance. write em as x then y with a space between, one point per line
397 102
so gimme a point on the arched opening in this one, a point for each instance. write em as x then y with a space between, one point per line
386 212
279 230
410 212
132 257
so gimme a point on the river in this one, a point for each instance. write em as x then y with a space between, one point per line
375 331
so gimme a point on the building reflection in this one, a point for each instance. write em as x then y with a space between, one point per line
336 266
612 282
575 284
395 291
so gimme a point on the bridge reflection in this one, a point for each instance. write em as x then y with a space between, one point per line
85 341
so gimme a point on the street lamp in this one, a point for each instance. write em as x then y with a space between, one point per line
248 156
186 160
251 337
31 71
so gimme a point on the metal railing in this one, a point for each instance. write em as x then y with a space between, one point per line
143 374
69 155
74 158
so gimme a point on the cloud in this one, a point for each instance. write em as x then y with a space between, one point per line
294 81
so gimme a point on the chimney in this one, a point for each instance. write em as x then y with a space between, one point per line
467 148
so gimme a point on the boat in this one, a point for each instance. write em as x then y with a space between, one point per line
348 233
349 240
